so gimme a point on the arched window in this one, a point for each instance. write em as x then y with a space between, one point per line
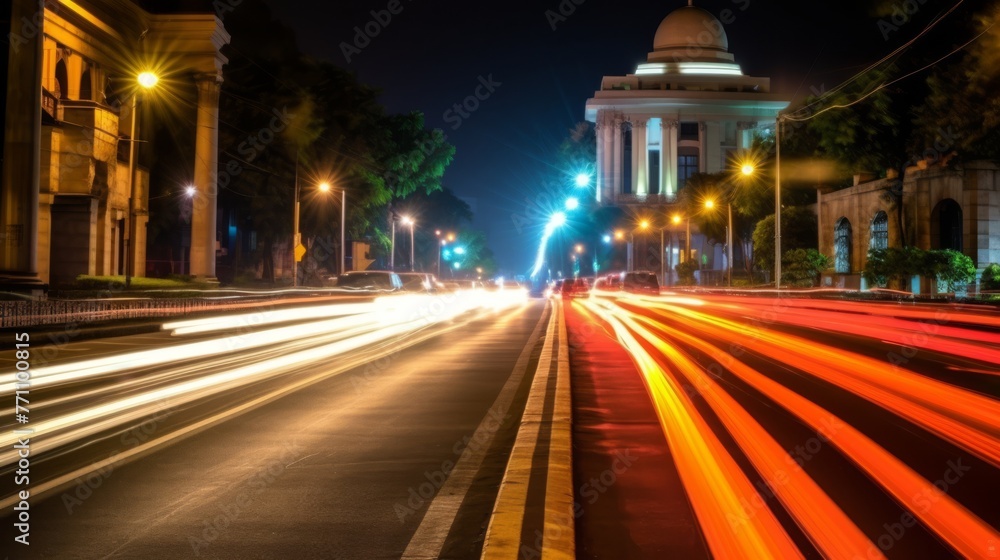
946 225
879 231
86 90
62 89
842 246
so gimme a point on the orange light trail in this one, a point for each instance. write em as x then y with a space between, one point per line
715 483
963 417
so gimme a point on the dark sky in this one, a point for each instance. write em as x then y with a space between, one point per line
432 55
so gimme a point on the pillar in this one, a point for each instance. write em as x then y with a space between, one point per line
20 178
203 217
668 155
616 155
640 157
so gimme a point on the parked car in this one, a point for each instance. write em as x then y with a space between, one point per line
370 280
640 283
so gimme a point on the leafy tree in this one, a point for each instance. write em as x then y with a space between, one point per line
798 231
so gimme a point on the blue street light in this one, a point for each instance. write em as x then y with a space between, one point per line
583 180
572 203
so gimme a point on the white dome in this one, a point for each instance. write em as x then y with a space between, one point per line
690 28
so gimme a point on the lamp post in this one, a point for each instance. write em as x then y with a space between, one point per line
189 192
392 245
146 80
777 202
729 239
325 187
410 222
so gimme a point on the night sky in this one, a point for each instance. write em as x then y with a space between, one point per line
433 55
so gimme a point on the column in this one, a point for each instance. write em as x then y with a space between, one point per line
605 140
640 156
616 155
668 161
702 147
205 177
22 154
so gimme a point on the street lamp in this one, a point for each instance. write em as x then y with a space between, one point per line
777 202
410 222
325 187
146 80
582 180
189 192
729 239
572 203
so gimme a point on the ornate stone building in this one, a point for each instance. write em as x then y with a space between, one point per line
71 85
942 208
685 110
688 109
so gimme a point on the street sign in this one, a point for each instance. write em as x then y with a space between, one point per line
300 251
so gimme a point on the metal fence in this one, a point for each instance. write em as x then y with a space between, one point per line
15 314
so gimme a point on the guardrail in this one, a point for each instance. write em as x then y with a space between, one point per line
15 314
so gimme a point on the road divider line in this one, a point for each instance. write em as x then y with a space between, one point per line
428 540
503 536
559 535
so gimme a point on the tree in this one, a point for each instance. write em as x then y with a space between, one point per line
798 231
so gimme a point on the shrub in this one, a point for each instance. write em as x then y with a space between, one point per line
950 267
801 267
685 272
991 277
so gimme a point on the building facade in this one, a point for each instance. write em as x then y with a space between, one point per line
688 109
684 111
943 207
73 202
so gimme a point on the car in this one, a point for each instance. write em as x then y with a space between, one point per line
555 288
640 282
419 282
370 280
572 288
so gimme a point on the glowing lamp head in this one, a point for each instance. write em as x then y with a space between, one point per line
558 219
190 191
676 219
324 186
578 248
459 251
572 203
606 238
619 235
747 169
148 79
582 180
408 220
709 204
644 224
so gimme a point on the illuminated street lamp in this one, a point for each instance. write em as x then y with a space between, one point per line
408 221
729 239
325 187
572 203
777 202
146 80
582 180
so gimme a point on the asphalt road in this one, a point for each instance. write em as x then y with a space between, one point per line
758 427
332 457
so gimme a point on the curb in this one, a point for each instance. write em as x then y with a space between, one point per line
546 422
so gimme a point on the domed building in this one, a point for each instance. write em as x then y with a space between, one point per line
685 110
